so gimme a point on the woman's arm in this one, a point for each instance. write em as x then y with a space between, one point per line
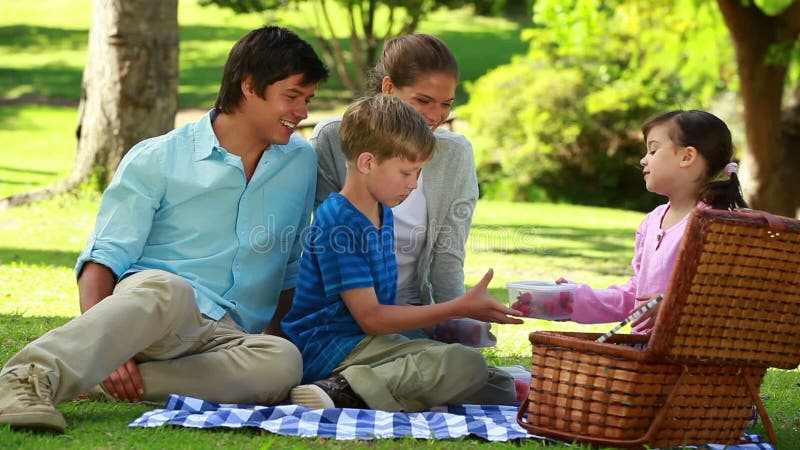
331 165
452 229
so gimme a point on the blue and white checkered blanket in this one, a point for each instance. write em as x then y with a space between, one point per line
490 422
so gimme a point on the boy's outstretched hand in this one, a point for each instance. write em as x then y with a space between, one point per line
478 304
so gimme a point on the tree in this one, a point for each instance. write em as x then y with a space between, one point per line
369 24
563 122
129 89
764 43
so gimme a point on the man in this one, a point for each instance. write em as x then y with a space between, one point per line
194 254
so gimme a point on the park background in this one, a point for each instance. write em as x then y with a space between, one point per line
553 107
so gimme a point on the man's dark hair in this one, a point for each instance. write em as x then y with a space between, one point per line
267 55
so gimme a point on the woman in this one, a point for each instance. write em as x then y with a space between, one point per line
432 224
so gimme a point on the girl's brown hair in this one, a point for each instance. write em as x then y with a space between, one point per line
712 139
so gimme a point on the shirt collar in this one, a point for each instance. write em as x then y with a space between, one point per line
206 142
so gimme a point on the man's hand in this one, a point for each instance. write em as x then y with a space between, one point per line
125 383
479 305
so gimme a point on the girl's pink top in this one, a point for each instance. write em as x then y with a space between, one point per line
653 261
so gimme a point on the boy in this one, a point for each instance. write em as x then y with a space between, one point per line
344 318
194 254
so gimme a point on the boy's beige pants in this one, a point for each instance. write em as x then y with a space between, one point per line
153 316
394 373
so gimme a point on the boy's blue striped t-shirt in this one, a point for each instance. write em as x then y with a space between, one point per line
343 251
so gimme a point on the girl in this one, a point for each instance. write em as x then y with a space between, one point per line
686 151
432 224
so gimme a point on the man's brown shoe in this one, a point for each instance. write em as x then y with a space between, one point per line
26 400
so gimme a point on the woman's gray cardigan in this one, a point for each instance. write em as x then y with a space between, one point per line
450 187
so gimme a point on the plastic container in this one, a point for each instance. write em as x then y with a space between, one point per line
542 299
465 331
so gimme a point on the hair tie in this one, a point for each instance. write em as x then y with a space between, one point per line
731 168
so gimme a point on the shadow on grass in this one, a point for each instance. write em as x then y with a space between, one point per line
530 239
28 38
18 183
479 52
27 171
31 257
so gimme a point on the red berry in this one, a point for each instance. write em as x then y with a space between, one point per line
522 390
525 297
475 336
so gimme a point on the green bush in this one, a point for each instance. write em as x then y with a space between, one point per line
562 123
539 142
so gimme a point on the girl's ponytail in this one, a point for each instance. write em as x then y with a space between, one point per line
725 194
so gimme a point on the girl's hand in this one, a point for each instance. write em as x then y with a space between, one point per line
562 280
652 312
479 305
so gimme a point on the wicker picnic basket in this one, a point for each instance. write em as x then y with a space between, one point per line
732 309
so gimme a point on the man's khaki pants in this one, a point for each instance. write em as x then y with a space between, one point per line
153 317
394 373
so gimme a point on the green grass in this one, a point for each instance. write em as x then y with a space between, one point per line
39 244
44 54
39 146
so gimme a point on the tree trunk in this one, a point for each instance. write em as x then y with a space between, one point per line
129 90
130 84
769 167
790 122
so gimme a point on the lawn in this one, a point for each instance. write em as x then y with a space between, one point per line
39 244
40 78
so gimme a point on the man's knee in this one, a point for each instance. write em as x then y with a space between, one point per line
158 284
273 368
278 359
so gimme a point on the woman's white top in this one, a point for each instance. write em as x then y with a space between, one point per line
410 228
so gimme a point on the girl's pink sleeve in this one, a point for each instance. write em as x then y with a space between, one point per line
613 303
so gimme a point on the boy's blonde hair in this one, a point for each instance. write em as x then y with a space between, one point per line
387 127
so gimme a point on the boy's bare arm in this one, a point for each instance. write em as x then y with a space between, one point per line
377 319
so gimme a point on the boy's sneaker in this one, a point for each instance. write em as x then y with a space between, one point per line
26 400
334 392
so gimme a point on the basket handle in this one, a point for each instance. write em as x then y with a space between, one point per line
775 226
571 437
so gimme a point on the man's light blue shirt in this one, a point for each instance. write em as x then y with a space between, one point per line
181 203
